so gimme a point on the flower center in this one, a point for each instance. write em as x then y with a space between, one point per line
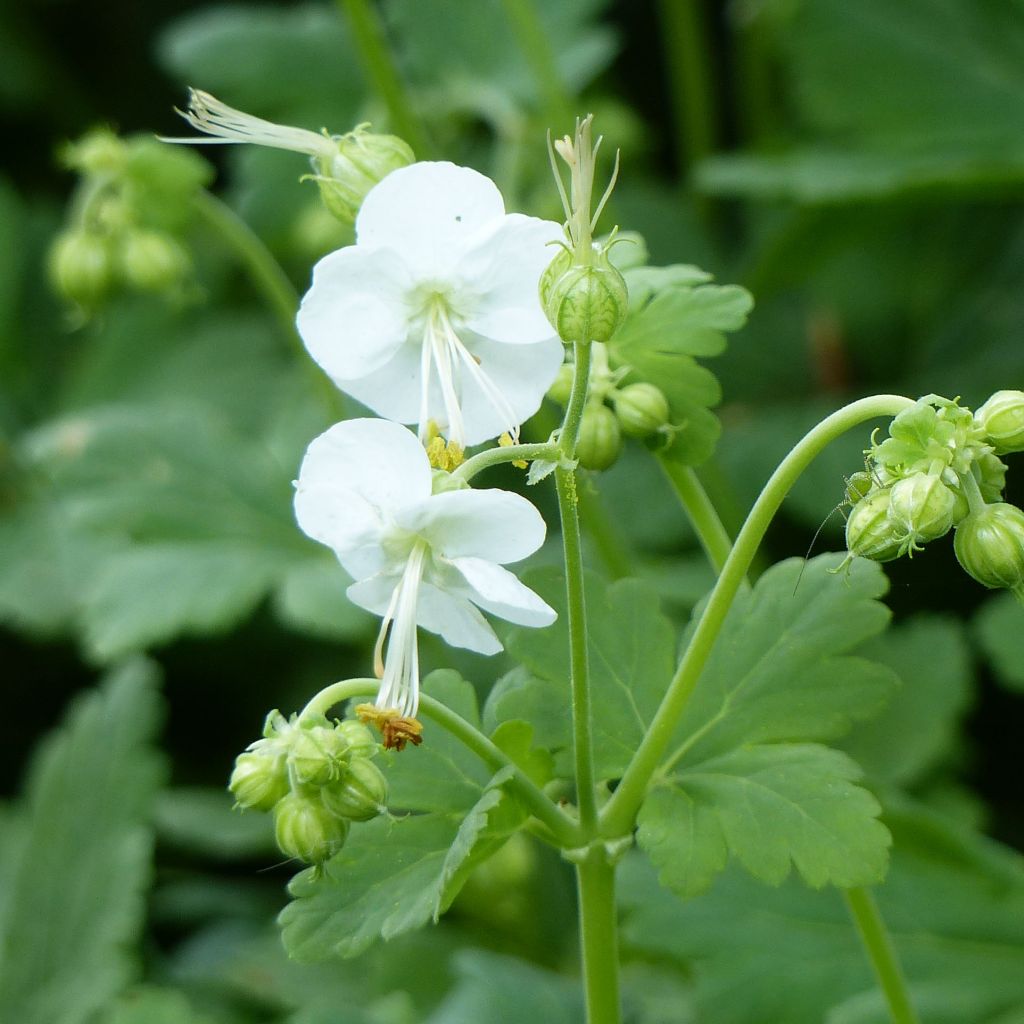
399 672
444 353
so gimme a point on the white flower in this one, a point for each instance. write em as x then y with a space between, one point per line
434 314
418 558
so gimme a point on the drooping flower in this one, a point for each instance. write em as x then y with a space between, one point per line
433 315
365 489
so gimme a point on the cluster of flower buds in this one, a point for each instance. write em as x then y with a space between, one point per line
128 213
614 410
939 469
316 776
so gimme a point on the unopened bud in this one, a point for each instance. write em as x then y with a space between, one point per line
989 545
151 260
922 506
1002 419
357 737
600 439
99 152
992 471
362 160
584 302
641 409
81 268
561 389
360 794
258 781
318 755
870 533
306 830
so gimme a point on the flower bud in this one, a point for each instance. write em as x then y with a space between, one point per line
922 506
318 755
583 302
98 152
362 160
151 260
641 409
561 389
993 477
258 781
81 268
357 737
360 794
1002 419
870 533
306 830
989 544
600 440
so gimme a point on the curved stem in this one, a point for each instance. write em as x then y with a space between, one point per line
563 830
702 514
619 814
595 885
509 453
379 65
882 954
536 47
269 280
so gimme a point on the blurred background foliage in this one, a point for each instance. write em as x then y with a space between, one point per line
859 167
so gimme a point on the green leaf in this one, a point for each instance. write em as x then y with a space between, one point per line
153 1006
311 599
953 901
919 727
997 628
504 990
75 905
767 805
672 321
396 874
743 778
632 653
200 819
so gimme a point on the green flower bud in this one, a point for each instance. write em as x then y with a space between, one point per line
562 388
306 830
600 440
318 754
151 261
357 737
583 302
81 268
258 781
99 152
922 506
993 477
360 794
989 544
870 533
641 408
362 160
1002 419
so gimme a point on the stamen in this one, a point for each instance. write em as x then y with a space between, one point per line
400 685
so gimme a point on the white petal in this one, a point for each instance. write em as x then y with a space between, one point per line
430 213
522 373
499 592
374 594
355 317
354 478
502 271
455 620
393 391
493 524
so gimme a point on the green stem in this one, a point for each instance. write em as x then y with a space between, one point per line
619 814
697 505
510 453
380 67
536 47
563 830
565 483
595 883
685 38
270 281
880 951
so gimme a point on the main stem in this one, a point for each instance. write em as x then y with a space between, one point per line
619 815
595 885
880 950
